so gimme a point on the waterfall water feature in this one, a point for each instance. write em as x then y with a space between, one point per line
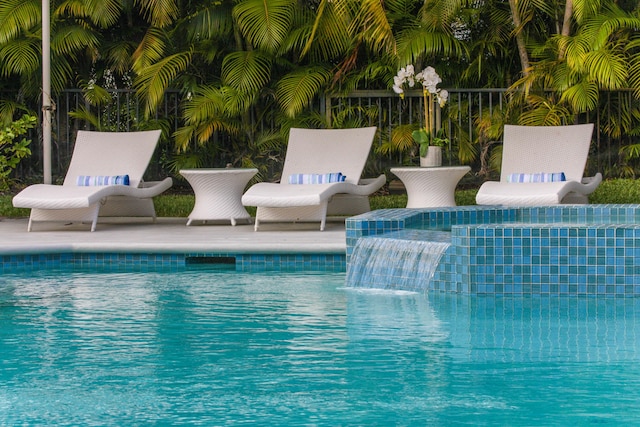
404 260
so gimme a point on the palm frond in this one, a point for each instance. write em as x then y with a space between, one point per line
72 39
9 109
296 90
401 141
159 13
152 82
577 49
246 71
608 28
415 44
329 36
237 102
608 68
544 113
582 97
210 22
150 50
373 27
207 101
206 113
103 12
95 95
634 70
17 16
118 56
20 57
584 9
62 73
85 115
264 23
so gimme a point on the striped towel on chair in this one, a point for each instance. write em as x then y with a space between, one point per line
316 178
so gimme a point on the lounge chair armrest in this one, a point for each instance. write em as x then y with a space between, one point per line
373 184
591 183
152 188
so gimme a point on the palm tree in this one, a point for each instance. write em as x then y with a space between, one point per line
75 43
572 68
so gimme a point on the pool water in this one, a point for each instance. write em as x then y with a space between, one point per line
213 348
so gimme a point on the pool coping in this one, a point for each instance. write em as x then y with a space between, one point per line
170 235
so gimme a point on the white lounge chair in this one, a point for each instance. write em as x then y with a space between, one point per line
318 151
98 154
529 150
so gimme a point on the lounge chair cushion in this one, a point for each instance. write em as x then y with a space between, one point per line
316 178
537 177
100 180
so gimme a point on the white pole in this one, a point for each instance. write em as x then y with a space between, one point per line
46 91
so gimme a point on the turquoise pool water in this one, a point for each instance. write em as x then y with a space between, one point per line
215 348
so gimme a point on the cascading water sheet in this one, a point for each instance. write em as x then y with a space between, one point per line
403 260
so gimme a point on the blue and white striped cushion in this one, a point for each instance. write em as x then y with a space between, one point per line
316 178
536 177
90 181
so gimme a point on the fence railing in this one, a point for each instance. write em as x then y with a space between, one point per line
384 109
465 107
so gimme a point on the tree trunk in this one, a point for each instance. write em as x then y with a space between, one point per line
522 49
566 26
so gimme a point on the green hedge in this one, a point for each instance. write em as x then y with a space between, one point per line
180 205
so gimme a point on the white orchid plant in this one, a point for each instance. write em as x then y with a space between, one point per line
429 79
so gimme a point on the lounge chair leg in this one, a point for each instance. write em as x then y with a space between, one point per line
95 214
30 225
323 213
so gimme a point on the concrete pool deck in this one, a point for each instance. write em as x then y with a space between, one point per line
170 235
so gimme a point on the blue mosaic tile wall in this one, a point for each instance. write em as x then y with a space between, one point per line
153 262
582 250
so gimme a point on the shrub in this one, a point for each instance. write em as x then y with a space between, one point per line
12 151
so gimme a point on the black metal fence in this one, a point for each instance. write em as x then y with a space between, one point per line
384 109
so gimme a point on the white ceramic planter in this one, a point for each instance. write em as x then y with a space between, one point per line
433 157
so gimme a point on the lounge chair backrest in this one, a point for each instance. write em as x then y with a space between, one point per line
320 151
112 153
548 149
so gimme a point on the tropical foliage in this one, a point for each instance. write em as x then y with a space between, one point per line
239 64
14 146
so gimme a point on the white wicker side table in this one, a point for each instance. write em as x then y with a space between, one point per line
430 187
218 193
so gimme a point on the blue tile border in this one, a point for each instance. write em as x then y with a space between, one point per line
583 250
177 261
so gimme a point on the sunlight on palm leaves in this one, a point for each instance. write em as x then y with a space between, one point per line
264 24
84 114
296 90
246 71
155 79
582 97
328 36
159 13
20 56
372 26
72 39
211 22
150 50
104 13
18 16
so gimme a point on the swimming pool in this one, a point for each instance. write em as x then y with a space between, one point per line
198 346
